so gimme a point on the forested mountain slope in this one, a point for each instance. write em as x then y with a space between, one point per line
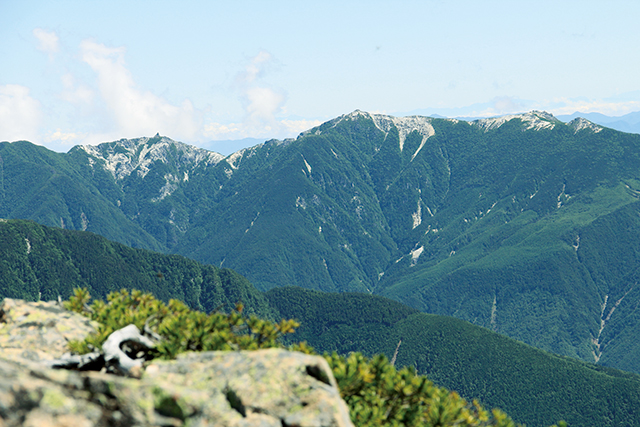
42 263
522 224
49 188
531 385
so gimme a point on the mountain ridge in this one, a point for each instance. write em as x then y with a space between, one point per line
146 151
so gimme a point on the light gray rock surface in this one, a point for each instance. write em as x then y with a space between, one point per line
289 388
39 331
271 387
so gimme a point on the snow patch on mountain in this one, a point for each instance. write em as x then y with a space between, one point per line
535 120
125 156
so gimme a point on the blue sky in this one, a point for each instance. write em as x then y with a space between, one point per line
84 72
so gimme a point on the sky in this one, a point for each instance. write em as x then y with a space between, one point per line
85 72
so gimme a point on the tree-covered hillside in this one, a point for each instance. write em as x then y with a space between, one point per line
42 263
531 385
521 224
49 188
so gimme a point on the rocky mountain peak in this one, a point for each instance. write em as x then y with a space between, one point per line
535 120
580 123
385 123
405 126
125 156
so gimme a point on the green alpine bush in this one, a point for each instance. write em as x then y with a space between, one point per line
181 328
379 394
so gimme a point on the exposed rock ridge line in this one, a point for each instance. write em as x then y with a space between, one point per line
535 120
405 125
126 156
234 159
580 123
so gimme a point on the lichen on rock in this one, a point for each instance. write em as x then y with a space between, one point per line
39 331
269 387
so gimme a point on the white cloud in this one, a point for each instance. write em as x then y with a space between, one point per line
610 108
262 104
47 41
64 139
498 106
260 101
507 104
297 126
225 131
75 93
280 129
256 67
137 112
19 114
113 106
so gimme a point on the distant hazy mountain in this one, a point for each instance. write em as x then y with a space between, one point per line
628 123
522 224
229 146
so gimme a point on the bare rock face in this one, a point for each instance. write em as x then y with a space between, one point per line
39 331
34 396
271 387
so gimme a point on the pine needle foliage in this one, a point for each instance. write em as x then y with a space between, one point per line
181 328
376 392
379 394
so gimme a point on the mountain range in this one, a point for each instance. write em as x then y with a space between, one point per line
522 224
629 122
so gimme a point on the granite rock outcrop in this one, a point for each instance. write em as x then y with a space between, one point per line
271 387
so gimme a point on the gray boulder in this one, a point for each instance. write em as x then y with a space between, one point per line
275 386
272 387
39 331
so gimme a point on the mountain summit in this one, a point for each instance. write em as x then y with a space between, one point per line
533 120
125 156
